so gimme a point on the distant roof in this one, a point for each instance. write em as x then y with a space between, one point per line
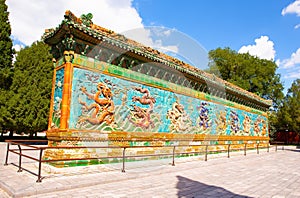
94 32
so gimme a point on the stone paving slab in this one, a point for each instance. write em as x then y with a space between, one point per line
268 174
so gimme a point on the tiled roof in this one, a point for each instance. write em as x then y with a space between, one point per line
120 41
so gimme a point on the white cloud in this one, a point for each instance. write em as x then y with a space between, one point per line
28 25
278 62
263 48
291 66
18 47
142 35
167 33
292 74
297 26
293 8
292 61
169 48
30 18
161 31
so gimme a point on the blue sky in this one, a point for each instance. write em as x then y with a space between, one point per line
224 22
229 23
266 28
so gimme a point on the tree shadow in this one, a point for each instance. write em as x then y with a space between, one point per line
194 189
294 150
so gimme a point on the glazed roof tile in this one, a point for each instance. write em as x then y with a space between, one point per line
121 41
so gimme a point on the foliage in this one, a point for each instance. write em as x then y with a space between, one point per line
289 112
273 127
250 73
6 51
31 88
6 55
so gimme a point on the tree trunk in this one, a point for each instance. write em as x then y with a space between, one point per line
2 136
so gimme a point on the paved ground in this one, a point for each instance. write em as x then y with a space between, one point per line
268 174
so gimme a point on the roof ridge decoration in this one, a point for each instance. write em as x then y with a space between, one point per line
85 24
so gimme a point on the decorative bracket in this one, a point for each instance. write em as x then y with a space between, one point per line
87 19
68 56
69 42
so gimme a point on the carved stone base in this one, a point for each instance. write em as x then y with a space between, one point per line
135 143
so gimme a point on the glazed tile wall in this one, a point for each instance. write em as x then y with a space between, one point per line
109 103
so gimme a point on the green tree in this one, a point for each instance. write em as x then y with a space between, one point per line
294 103
273 127
289 112
5 116
32 82
6 55
250 73
6 51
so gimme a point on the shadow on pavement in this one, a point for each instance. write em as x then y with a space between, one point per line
295 150
194 189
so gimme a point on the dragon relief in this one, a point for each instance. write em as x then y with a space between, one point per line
264 128
102 108
203 119
221 122
260 127
235 122
179 118
247 124
141 116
